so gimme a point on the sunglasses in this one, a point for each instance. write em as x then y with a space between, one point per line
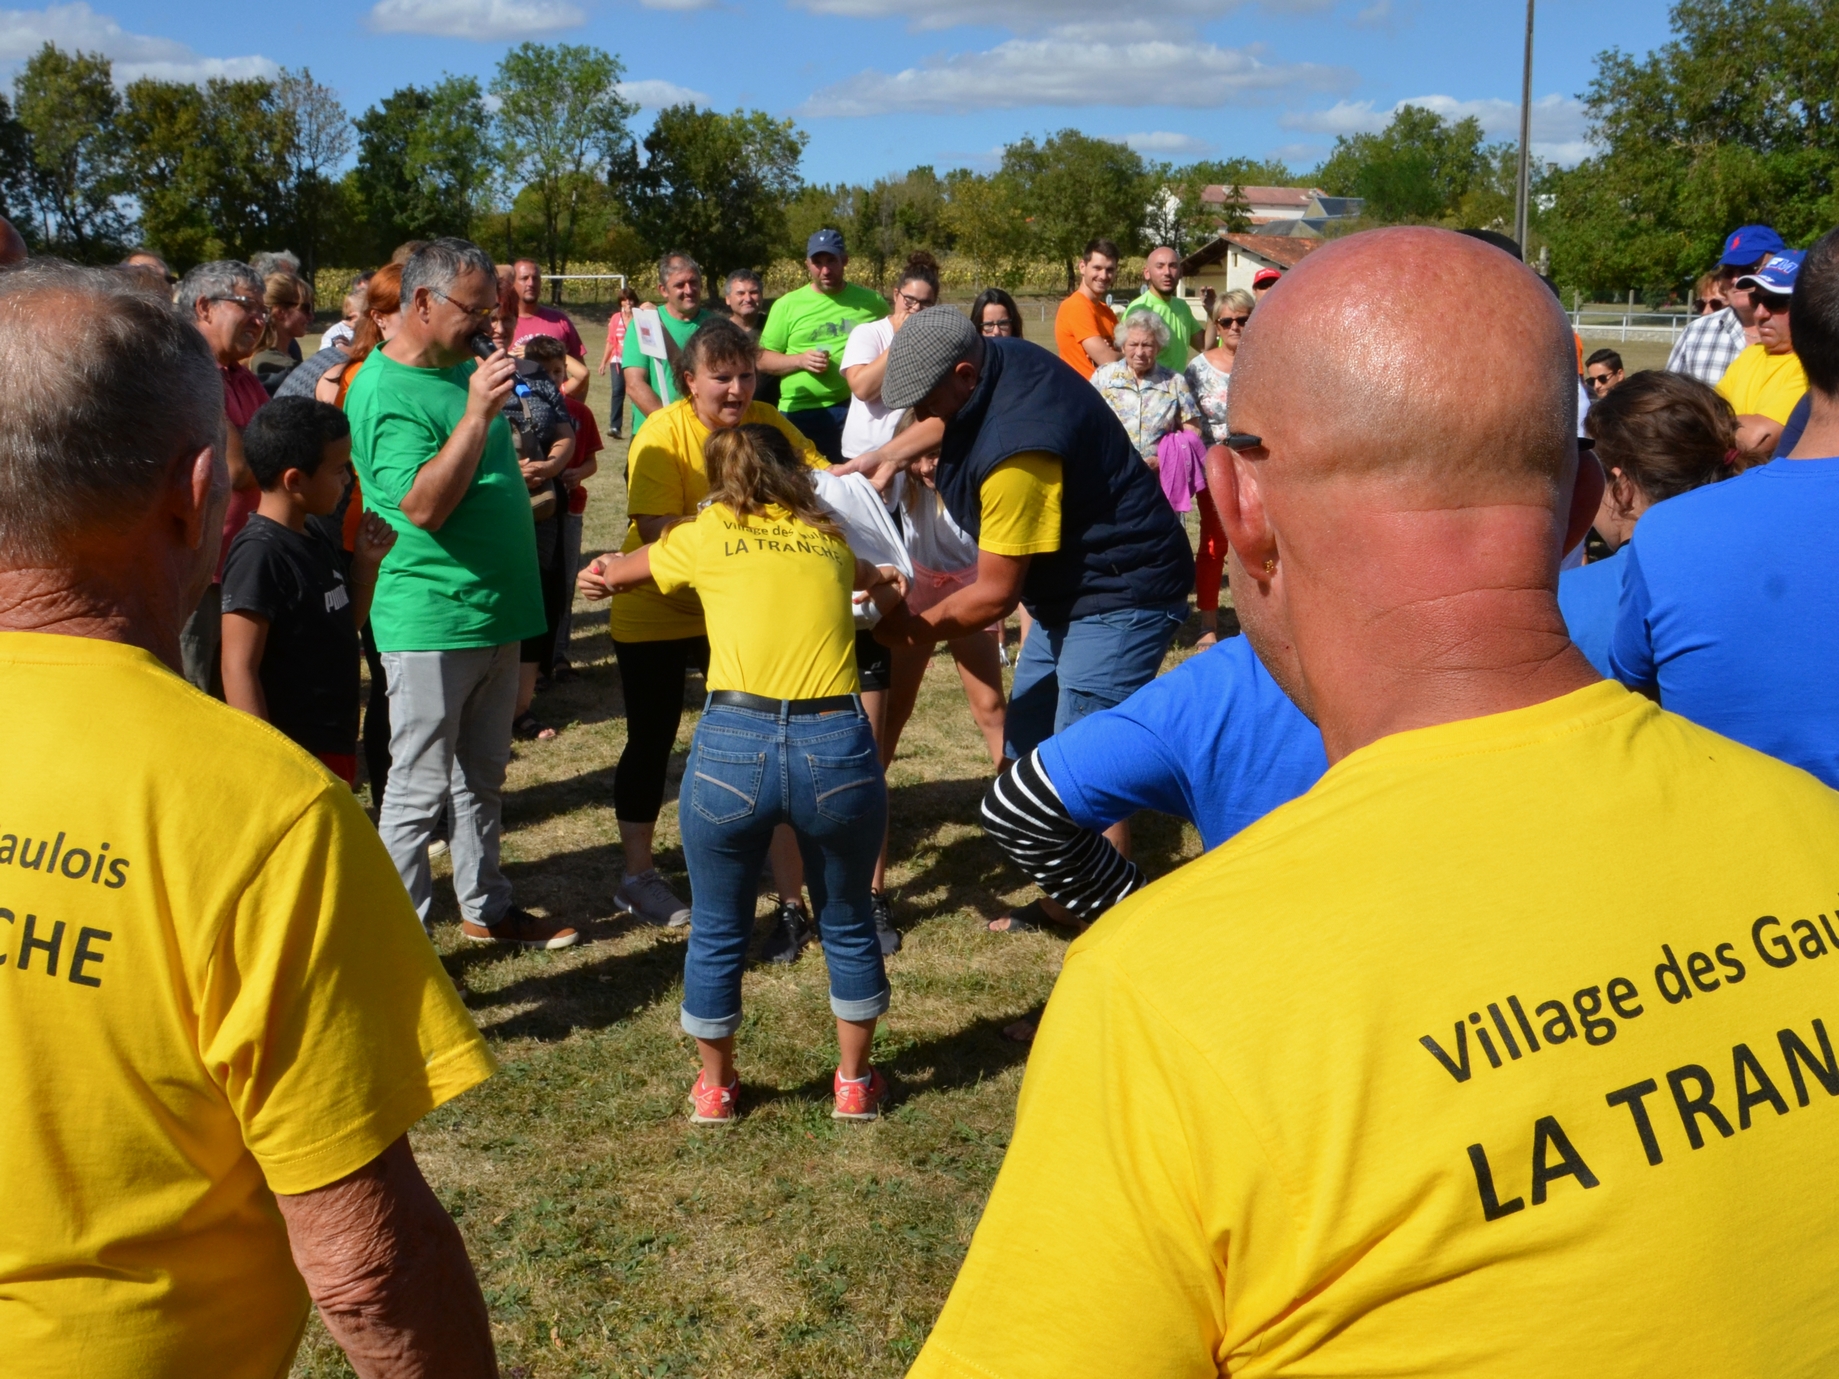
1775 302
1245 440
1599 380
1238 321
255 306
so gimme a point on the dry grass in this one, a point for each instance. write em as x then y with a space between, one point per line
613 1238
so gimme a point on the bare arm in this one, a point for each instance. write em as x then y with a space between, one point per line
608 574
1757 433
245 638
576 384
865 379
1100 350
442 482
995 593
898 453
779 365
242 477
374 539
388 1271
561 451
639 392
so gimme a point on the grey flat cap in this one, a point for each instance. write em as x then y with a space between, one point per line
924 349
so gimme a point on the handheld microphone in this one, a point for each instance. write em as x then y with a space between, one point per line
485 349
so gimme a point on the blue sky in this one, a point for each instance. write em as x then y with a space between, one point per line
881 85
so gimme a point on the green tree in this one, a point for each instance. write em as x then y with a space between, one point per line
1733 120
211 166
716 186
425 163
1071 187
318 139
560 120
895 216
15 171
67 104
986 217
1187 220
1417 169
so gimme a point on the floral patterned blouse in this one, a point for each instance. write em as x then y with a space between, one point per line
1209 386
1150 407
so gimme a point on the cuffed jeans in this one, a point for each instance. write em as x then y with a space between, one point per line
749 772
450 738
1080 667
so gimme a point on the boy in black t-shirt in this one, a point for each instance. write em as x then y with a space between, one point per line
290 626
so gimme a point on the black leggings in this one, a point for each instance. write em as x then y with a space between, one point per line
652 676
376 721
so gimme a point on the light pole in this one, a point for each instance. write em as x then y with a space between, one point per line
1523 188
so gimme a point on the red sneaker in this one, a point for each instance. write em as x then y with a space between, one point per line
714 1105
859 1100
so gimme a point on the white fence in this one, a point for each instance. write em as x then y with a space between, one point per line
1658 327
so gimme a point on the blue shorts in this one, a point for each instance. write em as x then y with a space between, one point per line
1084 666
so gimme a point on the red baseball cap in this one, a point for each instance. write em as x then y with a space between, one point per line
1264 277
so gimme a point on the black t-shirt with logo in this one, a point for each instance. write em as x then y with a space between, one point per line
310 662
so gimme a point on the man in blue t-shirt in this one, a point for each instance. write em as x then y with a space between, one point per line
1729 596
1215 742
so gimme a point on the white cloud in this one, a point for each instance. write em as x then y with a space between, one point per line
1077 65
1029 16
654 95
1559 123
483 20
78 27
1166 141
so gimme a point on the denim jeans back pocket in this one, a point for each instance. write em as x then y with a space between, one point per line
725 786
845 785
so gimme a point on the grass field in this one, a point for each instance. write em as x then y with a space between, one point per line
613 1238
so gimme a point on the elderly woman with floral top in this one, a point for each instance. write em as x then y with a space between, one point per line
1151 401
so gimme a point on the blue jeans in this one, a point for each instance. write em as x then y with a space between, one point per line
823 427
1083 666
749 772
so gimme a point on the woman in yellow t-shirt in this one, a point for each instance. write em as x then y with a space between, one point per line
657 637
783 740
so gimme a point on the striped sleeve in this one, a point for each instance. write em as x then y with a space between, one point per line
1076 866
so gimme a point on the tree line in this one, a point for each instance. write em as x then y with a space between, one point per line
1734 120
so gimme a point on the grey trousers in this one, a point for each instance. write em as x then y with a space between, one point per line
450 738
571 566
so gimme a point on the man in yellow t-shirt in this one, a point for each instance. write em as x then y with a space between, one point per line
1765 382
219 1012
1507 1047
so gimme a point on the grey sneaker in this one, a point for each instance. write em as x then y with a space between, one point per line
885 932
791 931
644 895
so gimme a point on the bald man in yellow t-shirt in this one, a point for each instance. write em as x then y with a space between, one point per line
1505 1049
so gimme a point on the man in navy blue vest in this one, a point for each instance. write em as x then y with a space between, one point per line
1068 521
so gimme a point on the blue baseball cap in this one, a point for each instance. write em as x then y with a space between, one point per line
1778 274
826 242
1749 243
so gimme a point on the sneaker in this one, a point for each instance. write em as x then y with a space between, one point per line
715 1105
643 895
791 931
522 929
885 931
859 1100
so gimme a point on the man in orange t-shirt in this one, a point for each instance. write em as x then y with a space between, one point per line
1084 325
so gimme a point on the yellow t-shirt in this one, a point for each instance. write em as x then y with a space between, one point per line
1236 1149
213 988
1020 502
665 478
1763 384
776 593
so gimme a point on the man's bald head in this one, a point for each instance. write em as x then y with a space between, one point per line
1416 354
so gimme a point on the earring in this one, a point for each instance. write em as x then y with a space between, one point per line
1270 564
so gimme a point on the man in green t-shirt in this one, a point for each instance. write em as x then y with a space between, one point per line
651 382
803 341
459 590
1161 274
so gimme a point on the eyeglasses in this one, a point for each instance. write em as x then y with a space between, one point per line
1238 321
254 306
998 325
477 313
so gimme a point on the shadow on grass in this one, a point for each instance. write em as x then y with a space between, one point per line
589 997
963 1058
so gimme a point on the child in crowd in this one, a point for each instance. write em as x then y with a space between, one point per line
783 739
553 356
290 624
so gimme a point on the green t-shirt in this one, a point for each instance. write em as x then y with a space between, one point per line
473 582
663 382
806 319
1181 324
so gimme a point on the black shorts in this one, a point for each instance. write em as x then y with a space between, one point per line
874 662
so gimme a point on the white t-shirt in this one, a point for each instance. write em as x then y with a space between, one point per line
932 538
869 425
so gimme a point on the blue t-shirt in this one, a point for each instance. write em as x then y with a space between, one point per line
1214 741
1587 596
1791 431
1730 609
